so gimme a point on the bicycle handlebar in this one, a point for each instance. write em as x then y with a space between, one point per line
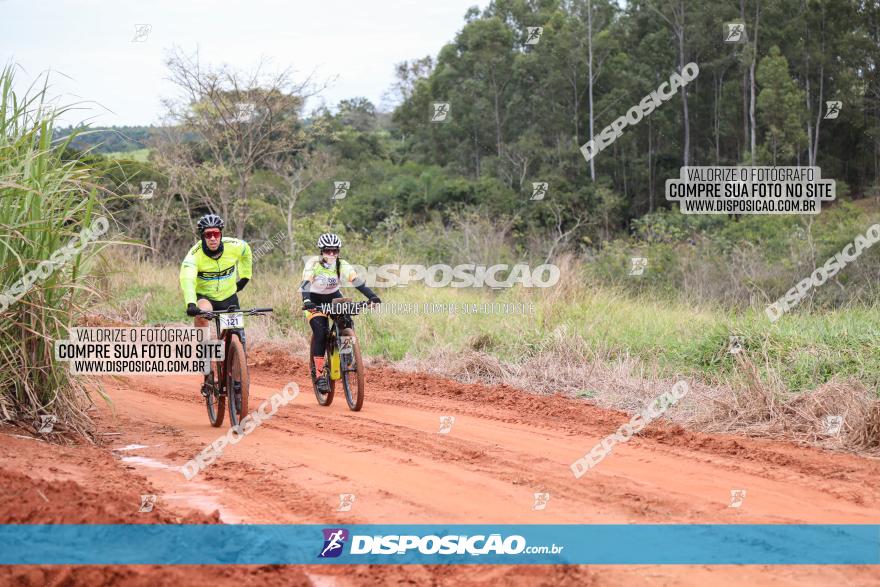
251 312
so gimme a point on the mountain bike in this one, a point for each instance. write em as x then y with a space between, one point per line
231 373
343 356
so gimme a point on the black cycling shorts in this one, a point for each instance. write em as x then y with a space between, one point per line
223 304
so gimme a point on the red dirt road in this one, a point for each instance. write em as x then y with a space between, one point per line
505 445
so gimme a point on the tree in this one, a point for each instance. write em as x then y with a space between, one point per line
676 22
240 120
407 74
780 103
297 174
357 113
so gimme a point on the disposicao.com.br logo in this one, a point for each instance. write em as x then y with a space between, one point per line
432 544
334 542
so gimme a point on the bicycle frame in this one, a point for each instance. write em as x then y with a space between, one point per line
226 335
340 321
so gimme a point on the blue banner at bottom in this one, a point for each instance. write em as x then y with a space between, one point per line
710 544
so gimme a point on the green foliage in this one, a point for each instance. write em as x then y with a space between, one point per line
779 105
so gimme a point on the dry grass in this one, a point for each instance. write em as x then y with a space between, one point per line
759 407
747 404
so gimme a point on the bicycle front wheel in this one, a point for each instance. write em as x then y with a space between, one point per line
353 373
237 381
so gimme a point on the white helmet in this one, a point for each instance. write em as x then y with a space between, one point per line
328 240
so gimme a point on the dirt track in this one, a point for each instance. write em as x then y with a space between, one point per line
504 446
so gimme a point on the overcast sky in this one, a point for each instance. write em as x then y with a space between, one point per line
92 43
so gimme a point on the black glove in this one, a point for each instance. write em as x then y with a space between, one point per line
239 285
309 305
375 300
193 310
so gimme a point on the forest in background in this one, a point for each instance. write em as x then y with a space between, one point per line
240 143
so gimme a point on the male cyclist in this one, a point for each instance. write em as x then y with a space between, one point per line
207 272
321 280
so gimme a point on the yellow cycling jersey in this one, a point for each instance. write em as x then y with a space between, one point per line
202 276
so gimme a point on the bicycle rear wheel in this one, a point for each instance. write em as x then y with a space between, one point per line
215 402
237 380
353 373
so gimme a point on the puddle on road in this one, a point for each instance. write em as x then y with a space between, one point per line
199 498
148 462
131 447
194 495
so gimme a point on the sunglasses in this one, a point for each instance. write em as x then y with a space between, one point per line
212 233
330 251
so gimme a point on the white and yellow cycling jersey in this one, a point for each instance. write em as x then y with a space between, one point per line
326 280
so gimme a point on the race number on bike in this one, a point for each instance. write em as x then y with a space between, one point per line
231 321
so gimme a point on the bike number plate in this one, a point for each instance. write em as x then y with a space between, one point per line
231 321
345 345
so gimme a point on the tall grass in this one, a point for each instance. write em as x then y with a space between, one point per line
45 200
